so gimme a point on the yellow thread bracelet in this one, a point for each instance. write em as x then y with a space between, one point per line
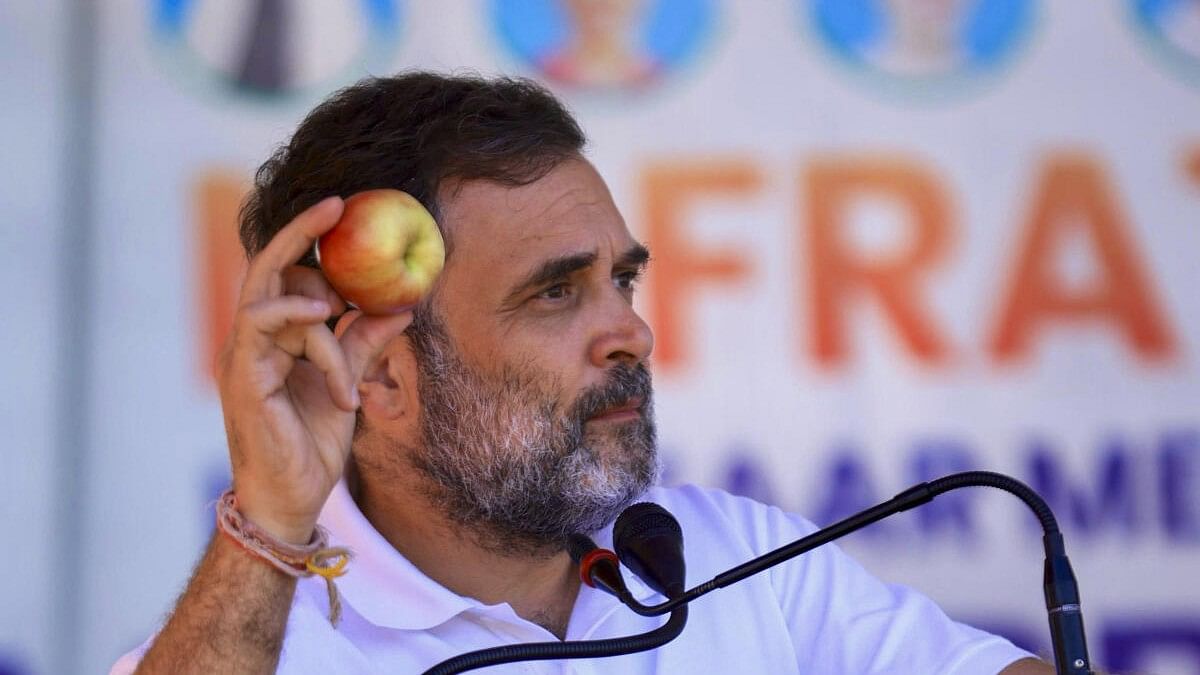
337 569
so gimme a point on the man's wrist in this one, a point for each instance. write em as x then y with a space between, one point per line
315 557
294 531
300 535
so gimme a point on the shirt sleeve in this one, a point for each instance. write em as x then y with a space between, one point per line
842 619
129 662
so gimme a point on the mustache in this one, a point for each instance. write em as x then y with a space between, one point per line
622 383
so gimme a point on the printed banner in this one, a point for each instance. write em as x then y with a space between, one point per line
891 239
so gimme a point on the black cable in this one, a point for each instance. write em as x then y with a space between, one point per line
540 651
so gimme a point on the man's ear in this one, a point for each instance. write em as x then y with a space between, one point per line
388 383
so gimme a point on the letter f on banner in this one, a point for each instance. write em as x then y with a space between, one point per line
680 267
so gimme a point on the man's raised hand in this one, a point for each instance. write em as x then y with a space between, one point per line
288 386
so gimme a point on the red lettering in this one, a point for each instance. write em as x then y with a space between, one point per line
220 263
838 274
1075 197
681 267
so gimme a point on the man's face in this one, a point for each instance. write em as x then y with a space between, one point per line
535 398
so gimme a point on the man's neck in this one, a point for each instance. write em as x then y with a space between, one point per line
540 589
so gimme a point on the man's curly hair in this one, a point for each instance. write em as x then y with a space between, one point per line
412 132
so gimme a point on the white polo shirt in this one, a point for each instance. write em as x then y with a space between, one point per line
819 613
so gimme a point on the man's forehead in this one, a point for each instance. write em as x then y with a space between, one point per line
569 210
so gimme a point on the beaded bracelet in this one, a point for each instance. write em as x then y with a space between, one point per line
317 558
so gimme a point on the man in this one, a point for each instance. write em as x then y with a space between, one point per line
454 449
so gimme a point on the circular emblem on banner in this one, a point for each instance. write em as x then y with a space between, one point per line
604 45
919 45
275 49
1173 28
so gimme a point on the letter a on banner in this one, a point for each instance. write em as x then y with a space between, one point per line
839 273
1074 197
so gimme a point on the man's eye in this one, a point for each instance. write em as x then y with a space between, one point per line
555 292
628 280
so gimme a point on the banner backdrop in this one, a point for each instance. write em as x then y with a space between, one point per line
892 239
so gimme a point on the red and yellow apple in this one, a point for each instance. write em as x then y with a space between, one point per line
384 253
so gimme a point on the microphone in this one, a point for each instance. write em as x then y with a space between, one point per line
649 542
598 567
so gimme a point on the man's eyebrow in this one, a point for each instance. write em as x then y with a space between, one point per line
551 270
563 266
637 256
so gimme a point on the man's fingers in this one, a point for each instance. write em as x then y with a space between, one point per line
286 247
344 322
362 337
267 317
324 352
301 280
293 324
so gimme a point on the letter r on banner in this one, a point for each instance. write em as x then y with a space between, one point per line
838 272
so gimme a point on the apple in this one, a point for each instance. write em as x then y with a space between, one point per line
384 253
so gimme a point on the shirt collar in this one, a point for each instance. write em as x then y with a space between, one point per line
383 587
380 584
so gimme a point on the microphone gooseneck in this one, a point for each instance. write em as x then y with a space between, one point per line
599 569
1059 585
580 649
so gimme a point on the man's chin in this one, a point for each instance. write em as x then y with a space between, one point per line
621 444
624 471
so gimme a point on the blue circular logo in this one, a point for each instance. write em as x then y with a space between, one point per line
914 45
276 49
1173 29
604 45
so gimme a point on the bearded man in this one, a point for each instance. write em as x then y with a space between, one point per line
454 448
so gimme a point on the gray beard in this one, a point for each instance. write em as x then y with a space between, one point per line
514 473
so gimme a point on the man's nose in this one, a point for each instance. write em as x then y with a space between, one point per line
622 336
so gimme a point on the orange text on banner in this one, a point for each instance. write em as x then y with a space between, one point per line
837 273
217 195
1074 197
680 267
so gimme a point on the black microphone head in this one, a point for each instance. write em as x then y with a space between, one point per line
649 541
645 519
579 545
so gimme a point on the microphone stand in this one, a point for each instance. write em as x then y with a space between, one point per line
1059 586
